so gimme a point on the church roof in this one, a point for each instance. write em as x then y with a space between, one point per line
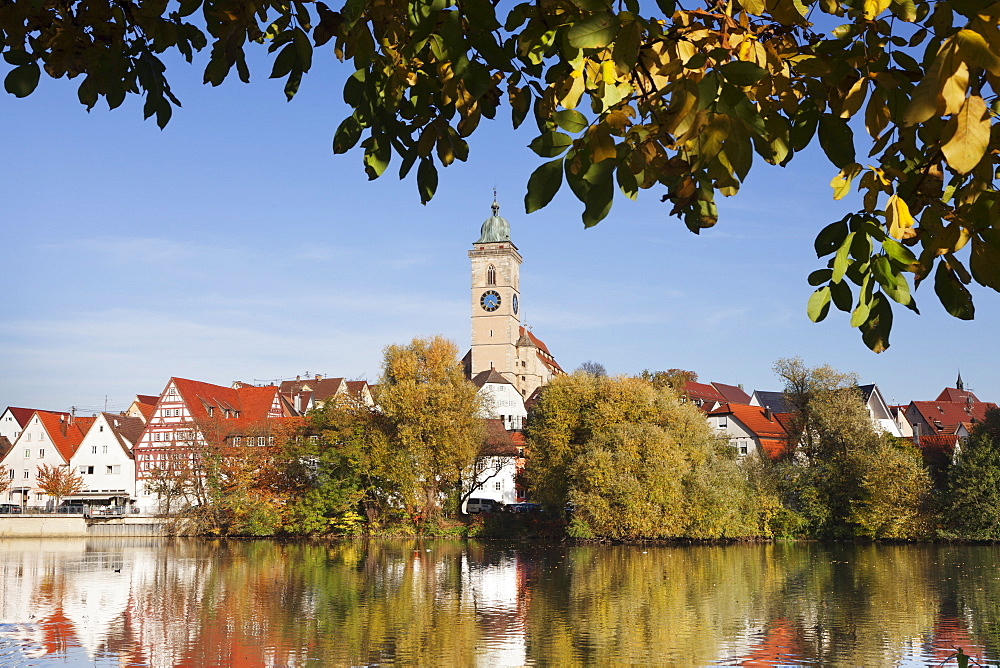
489 376
494 228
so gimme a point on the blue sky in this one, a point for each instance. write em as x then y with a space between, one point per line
236 245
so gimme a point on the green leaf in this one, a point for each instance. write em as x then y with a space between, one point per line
667 7
893 283
377 155
287 58
900 254
875 330
550 144
22 81
837 140
819 277
543 185
954 296
841 259
742 73
985 258
804 124
594 32
842 297
347 135
831 237
427 180
570 120
819 304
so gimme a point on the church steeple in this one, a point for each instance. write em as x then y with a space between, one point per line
495 229
958 383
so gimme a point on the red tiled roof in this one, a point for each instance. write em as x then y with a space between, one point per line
65 435
253 403
732 393
544 355
148 399
146 410
356 387
955 394
753 417
702 391
22 415
498 441
945 416
775 448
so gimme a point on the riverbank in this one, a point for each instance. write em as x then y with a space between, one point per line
78 526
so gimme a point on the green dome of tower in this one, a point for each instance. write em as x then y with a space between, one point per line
495 228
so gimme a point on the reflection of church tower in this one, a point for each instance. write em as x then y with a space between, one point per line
495 283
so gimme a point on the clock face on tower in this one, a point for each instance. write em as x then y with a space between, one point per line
513 304
490 301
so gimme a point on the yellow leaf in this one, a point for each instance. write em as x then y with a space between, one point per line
854 98
873 8
574 91
877 114
897 215
954 88
602 145
974 50
970 135
841 183
608 72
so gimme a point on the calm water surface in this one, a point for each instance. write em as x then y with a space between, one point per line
134 602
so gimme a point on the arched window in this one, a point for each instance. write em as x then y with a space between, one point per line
491 275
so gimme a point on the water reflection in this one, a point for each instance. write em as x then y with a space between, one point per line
269 603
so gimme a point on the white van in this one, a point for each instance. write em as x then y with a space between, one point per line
473 506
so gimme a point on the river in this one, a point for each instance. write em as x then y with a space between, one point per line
189 602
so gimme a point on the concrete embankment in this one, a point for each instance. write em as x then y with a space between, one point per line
43 526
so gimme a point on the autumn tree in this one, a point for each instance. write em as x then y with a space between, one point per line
432 431
58 481
675 379
681 99
635 461
4 479
851 479
971 500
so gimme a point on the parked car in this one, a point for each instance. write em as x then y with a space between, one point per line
523 508
474 506
9 508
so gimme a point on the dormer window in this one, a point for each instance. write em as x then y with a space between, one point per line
211 411
491 275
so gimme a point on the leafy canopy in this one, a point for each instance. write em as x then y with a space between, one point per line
681 99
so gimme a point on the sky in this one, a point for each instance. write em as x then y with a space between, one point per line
234 245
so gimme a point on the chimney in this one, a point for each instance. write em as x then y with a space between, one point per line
319 376
767 414
916 434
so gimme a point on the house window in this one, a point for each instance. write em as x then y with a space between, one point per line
38 497
93 449
27 436
102 428
211 411
491 275
723 422
12 474
88 470
270 440
27 474
237 439
498 486
743 448
113 469
27 454
171 391
41 453
260 440
104 449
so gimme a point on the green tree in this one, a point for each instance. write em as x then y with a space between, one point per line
679 99
972 492
635 461
852 479
431 432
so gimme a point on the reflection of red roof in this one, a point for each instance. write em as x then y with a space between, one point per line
949 634
781 646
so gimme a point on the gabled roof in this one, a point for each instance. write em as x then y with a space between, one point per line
498 441
124 427
954 394
65 432
732 393
356 387
703 392
321 388
489 376
755 419
945 416
252 403
543 351
22 415
774 400
148 399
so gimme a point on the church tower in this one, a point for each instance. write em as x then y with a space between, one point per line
496 325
